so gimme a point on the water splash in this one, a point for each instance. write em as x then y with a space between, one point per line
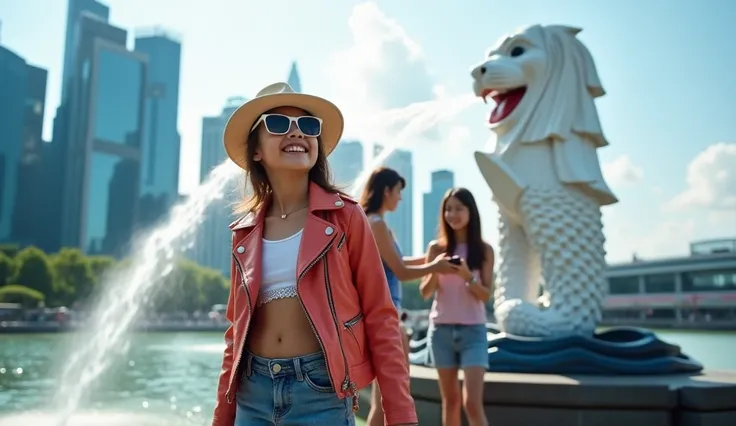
128 289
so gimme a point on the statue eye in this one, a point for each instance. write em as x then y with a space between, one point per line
517 51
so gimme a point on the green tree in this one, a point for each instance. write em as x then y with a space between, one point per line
73 278
215 288
190 296
190 288
34 271
100 265
10 250
27 297
7 268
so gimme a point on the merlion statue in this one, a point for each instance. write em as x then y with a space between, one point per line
546 179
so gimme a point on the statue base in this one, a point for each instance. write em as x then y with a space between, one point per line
621 376
616 351
517 399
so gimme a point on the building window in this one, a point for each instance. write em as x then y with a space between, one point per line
718 280
120 79
623 285
659 283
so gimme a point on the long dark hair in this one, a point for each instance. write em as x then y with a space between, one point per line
375 188
256 175
476 246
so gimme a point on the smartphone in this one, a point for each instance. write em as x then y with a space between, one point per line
455 260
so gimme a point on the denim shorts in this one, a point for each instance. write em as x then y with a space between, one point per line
458 346
294 391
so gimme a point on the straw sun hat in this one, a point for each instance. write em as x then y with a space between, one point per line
273 96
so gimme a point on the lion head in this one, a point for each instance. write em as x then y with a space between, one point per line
543 81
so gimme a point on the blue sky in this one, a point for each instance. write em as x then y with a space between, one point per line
667 67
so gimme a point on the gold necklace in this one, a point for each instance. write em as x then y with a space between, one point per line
284 215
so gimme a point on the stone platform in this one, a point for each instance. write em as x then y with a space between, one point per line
512 399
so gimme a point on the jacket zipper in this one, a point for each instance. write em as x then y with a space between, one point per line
228 395
349 324
346 383
311 323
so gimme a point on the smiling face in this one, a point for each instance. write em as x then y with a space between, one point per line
456 214
293 151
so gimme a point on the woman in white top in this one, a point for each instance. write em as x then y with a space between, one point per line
312 318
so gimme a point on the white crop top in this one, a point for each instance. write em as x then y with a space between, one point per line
279 268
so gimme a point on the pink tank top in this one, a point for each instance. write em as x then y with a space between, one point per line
453 302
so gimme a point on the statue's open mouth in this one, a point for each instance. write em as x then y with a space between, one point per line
506 102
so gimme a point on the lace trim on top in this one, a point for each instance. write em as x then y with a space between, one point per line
272 294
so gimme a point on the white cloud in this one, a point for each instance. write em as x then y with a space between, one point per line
646 237
439 90
711 180
706 209
622 171
457 139
383 69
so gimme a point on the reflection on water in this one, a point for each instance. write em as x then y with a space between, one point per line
96 419
173 374
170 378
716 350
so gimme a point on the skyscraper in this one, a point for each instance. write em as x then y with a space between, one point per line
346 162
294 81
212 247
105 124
75 10
160 150
401 221
13 91
441 181
28 210
57 154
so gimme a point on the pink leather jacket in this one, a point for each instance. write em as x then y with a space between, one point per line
344 293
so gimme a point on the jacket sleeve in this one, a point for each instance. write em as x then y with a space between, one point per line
224 414
381 322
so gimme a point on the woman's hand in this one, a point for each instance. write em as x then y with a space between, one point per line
442 265
463 271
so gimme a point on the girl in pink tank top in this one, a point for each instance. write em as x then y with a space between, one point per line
457 337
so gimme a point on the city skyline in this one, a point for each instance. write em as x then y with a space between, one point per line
664 204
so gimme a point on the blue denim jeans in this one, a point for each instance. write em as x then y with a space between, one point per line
294 392
458 346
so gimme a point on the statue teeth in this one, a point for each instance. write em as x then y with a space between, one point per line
501 107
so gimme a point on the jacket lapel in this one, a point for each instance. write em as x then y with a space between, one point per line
247 250
319 231
318 234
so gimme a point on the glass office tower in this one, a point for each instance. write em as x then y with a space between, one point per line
160 150
112 175
13 92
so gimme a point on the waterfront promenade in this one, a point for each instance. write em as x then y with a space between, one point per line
34 327
414 319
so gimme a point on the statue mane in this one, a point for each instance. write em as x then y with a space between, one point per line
564 94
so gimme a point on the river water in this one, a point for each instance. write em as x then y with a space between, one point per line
170 378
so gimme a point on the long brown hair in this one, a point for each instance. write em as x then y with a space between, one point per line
375 188
476 246
255 174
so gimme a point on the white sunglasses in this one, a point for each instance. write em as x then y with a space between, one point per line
279 124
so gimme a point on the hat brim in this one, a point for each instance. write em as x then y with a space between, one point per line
239 125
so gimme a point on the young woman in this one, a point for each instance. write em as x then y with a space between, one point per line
457 334
311 313
381 194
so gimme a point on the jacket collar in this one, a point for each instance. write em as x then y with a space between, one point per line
319 200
